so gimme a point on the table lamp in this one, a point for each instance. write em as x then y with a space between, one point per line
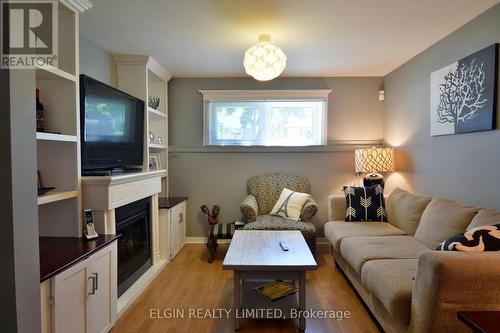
373 161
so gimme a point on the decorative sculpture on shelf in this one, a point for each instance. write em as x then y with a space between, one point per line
154 102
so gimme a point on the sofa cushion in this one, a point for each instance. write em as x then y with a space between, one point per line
391 282
443 219
359 250
404 210
485 217
335 232
480 239
364 203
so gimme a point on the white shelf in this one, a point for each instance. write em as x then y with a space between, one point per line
157 146
156 112
55 137
54 195
53 73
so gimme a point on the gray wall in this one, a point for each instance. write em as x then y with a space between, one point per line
463 167
96 62
220 178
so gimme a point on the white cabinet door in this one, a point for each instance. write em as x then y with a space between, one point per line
174 233
85 294
177 228
164 221
70 298
101 300
46 310
181 214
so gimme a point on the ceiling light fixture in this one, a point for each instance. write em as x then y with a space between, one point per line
264 61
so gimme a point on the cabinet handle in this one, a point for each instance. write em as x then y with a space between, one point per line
95 283
92 292
181 217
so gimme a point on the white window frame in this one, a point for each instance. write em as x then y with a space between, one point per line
262 96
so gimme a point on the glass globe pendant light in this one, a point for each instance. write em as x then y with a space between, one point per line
264 61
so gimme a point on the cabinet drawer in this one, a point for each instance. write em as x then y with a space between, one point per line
120 195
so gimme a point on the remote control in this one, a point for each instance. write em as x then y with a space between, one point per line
283 246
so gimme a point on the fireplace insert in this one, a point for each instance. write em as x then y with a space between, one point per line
134 245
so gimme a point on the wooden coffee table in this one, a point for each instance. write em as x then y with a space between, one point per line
256 254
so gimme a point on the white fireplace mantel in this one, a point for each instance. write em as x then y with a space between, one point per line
110 192
104 194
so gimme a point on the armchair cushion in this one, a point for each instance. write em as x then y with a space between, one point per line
249 208
270 222
309 209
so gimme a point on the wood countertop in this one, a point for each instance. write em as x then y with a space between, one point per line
169 202
59 253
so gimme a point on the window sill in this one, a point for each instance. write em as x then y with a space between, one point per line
333 146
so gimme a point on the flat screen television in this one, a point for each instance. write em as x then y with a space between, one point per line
111 127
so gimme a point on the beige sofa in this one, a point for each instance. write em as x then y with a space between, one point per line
408 286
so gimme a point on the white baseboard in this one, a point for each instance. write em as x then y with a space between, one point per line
196 240
203 240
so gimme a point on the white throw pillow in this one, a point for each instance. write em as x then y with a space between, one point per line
290 204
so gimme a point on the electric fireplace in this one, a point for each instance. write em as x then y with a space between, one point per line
134 245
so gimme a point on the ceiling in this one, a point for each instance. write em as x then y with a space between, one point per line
208 38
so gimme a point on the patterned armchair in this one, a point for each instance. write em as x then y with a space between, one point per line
263 193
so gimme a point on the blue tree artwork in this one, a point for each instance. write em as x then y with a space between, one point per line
463 94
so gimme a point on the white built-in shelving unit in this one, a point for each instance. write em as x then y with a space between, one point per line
58 147
142 76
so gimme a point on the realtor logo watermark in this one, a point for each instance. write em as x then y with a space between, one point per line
29 35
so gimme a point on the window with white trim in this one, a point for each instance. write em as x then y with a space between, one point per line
265 118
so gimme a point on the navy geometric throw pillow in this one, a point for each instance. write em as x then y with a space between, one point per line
364 203
479 239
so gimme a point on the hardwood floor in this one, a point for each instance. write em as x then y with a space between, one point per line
189 282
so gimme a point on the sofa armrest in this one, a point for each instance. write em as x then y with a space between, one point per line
308 211
448 282
249 208
336 207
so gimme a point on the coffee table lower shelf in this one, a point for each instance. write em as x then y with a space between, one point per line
249 304
283 308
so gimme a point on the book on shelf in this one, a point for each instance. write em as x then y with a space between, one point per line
275 290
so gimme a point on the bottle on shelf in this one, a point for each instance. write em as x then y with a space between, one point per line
39 112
